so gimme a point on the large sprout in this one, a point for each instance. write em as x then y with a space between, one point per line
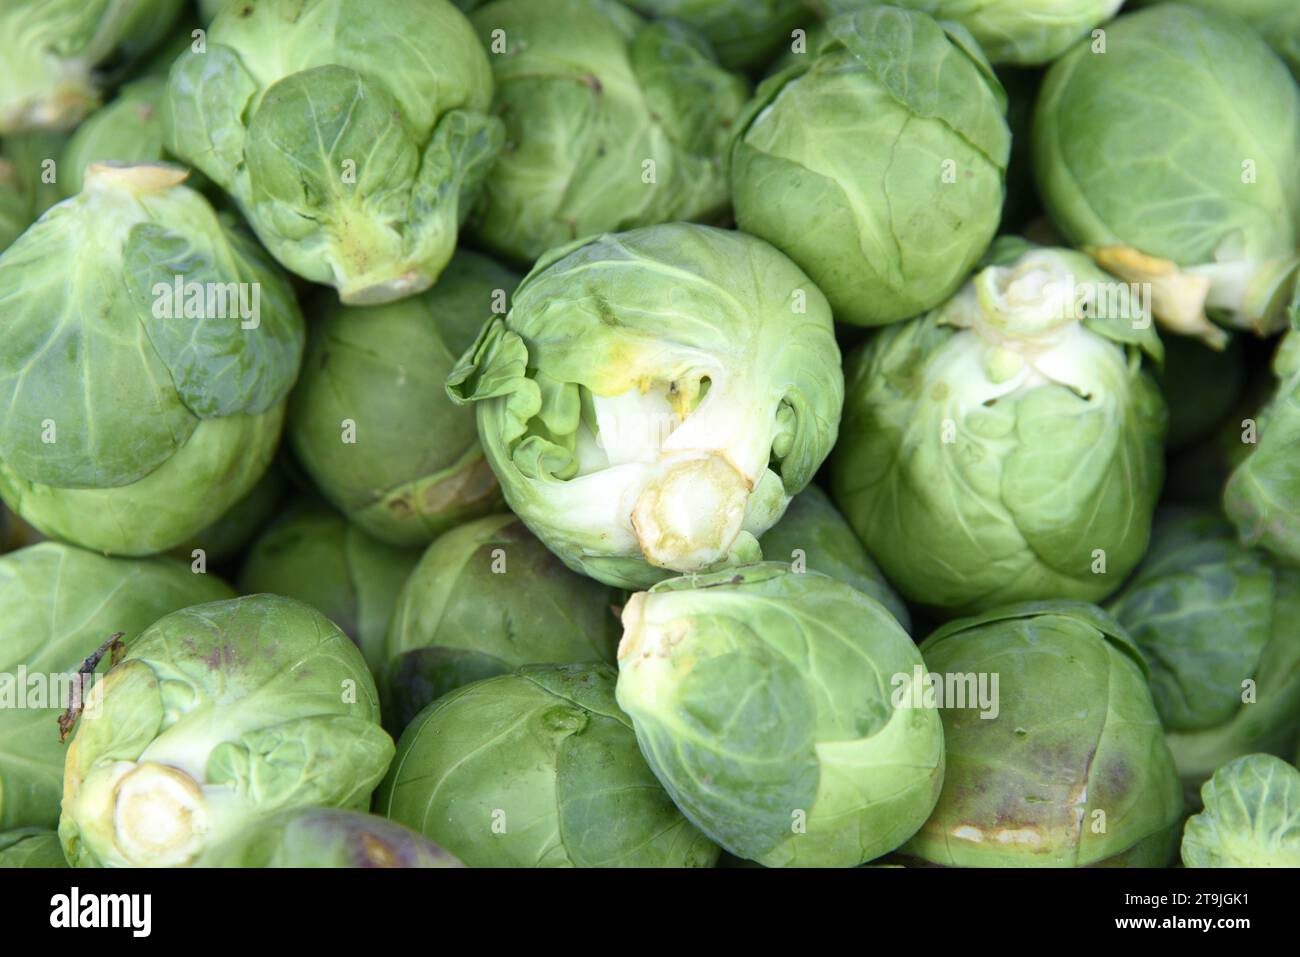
354 134
370 419
1063 762
537 769
486 598
142 383
878 164
56 54
58 605
1136 165
775 707
218 716
1217 624
655 398
1008 445
612 123
1251 816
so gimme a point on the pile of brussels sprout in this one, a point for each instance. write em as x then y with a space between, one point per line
655 433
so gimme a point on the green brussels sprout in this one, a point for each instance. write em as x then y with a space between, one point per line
1201 386
486 598
313 555
218 716
814 535
1277 21
142 386
878 165
1061 762
54 54
1196 588
612 123
1262 497
226 537
1251 816
640 371
31 847
353 134
58 605
537 769
370 419
1169 197
743 33
325 837
1020 32
1006 446
773 707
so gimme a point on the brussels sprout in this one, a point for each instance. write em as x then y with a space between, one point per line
537 769
141 388
218 716
1277 21
611 123
1262 497
370 419
313 555
227 536
814 535
354 159
773 706
1251 816
640 371
58 605
1166 196
31 847
1063 763
486 598
1216 622
53 54
1023 32
878 165
744 33
326 837
1007 446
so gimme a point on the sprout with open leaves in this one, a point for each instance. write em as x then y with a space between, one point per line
353 134
218 716
1007 446
655 398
